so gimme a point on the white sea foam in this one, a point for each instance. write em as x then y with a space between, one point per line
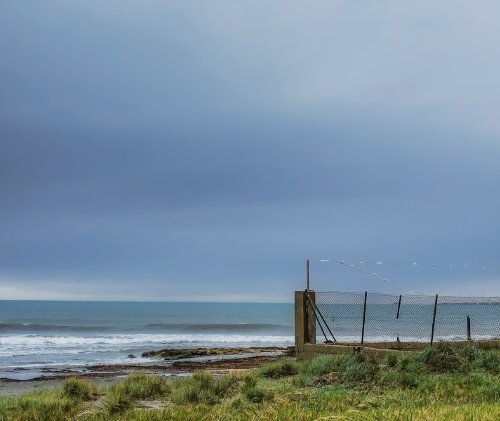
24 345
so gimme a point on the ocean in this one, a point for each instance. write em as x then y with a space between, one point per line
38 336
42 337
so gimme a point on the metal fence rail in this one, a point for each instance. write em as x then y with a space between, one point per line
372 317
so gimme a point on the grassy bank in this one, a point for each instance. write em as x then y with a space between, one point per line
440 383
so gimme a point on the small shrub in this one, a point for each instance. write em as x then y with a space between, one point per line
136 386
249 381
144 386
44 405
333 368
405 362
252 392
301 380
388 377
116 402
79 389
255 394
469 352
493 393
360 371
412 365
392 360
442 359
444 363
440 348
202 387
280 369
489 362
325 364
408 380
237 403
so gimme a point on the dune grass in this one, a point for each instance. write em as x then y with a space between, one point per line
43 405
75 388
202 387
137 386
443 382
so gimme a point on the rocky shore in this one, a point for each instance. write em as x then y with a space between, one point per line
170 362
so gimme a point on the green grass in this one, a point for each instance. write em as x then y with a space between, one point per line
279 369
443 382
203 387
79 389
136 386
46 405
143 386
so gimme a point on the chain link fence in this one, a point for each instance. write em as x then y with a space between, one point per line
371 317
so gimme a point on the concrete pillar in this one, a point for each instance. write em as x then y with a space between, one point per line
305 321
311 319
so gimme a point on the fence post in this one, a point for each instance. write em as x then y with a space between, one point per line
434 320
399 307
469 337
300 317
364 320
311 317
308 274
305 322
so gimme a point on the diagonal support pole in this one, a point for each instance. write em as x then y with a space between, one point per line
316 311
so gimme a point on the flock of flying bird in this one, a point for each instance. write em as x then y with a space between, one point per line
361 267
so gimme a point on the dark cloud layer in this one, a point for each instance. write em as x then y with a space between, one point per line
193 152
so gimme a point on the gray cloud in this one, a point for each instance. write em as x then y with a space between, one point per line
207 150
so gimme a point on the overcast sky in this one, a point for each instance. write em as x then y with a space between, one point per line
203 150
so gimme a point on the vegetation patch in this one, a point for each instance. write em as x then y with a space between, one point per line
490 362
280 369
79 389
325 364
392 360
441 382
444 358
203 387
117 402
144 386
137 386
254 393
41 406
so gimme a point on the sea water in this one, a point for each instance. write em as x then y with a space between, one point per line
38 335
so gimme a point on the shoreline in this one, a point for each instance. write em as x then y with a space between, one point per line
218 361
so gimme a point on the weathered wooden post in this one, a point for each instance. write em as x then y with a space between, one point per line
469 336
